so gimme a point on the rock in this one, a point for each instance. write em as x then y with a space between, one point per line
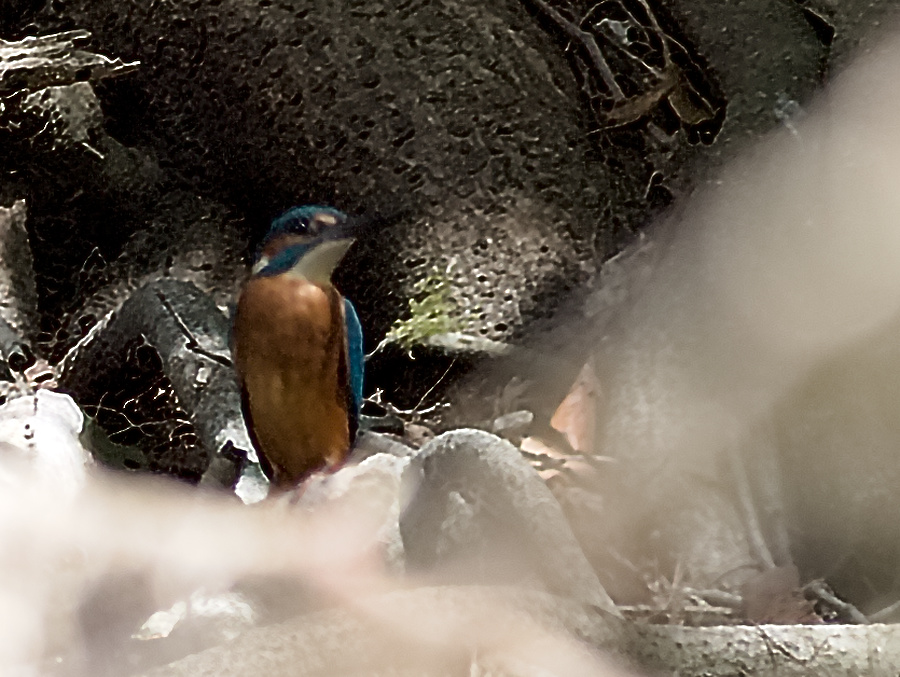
426 631
370 443
18 296
39 442
513 425
203 620
186 336
477 511
371 488
468 114
51 61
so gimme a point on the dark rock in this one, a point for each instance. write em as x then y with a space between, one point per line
759 51
466 114
18 296
187 334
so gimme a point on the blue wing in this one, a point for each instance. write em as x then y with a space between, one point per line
356 360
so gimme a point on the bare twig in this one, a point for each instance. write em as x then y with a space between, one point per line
588 42
747 508
821 591
52 61
885 614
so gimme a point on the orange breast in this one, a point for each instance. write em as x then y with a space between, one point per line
289 355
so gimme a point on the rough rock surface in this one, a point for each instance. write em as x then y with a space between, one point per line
467 115
478 510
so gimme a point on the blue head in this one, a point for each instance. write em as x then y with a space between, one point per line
307 241
308 220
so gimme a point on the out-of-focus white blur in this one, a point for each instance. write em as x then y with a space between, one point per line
788 261
81 575
791 255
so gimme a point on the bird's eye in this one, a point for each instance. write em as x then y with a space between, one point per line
311 226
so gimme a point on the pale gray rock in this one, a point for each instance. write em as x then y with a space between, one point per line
371 488
479 512
39 442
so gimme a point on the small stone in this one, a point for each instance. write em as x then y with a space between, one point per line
513 425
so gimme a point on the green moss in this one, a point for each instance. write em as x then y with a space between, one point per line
431 313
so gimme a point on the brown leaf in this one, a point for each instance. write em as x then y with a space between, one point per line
576 416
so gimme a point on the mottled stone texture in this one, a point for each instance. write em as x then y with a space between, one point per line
466 113
765 54
478 512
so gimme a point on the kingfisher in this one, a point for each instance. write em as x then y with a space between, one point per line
298 346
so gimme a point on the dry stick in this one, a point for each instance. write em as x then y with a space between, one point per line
886 613
747 509
820 590
589 43
51 61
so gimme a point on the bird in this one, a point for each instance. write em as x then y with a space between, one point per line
297 347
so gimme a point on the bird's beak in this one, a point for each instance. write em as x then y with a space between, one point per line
355 226
349 229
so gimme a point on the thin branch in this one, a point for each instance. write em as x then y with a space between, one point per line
53 60
588 42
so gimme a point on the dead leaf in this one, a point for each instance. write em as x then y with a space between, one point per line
576 416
